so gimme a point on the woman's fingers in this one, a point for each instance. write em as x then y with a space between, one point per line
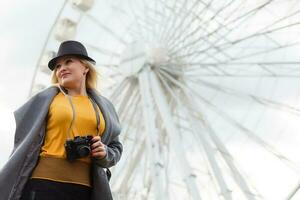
98 155
98 148
96 138
96 142
96 145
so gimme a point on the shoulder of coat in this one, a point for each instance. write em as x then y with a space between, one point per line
49 91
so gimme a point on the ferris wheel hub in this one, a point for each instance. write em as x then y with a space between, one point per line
157 56
138 54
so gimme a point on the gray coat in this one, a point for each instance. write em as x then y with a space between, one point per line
29 137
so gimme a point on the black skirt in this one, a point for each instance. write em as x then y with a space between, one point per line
40 189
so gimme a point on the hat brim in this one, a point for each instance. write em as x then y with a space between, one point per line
52 62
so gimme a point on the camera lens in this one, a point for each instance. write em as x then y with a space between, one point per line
83 151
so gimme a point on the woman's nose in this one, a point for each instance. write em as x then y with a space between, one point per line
60 71
61 68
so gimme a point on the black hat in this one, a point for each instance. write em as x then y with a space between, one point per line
70 48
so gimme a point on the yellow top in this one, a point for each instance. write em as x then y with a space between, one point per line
53 164
59 119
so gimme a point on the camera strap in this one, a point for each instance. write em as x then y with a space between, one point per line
74 112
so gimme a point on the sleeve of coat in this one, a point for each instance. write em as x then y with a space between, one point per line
113 154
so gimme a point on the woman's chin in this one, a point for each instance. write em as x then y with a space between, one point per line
66 83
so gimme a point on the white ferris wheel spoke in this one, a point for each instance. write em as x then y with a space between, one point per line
170 127
152 134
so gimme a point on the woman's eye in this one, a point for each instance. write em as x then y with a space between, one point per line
57 66
68 61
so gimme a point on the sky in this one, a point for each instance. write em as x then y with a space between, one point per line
23 29
24 26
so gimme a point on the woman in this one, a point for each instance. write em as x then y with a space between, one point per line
65 136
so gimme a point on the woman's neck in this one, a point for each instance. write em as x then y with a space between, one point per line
77 89
76 92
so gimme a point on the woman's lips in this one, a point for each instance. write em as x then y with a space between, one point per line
64 75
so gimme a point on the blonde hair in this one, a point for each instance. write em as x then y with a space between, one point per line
91 76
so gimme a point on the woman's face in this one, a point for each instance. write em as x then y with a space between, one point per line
70 72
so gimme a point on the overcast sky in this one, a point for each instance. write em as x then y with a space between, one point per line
23 29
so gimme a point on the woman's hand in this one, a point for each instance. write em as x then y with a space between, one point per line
98 148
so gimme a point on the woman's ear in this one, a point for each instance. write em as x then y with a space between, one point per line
86 70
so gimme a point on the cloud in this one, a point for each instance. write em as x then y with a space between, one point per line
8 44
6 6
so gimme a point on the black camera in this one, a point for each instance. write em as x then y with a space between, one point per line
78 147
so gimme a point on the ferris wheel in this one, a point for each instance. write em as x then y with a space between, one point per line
207 93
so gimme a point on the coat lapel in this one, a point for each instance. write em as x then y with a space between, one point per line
112 124
30 117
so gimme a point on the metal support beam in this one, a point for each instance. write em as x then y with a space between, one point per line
152 136
164 111
293 192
